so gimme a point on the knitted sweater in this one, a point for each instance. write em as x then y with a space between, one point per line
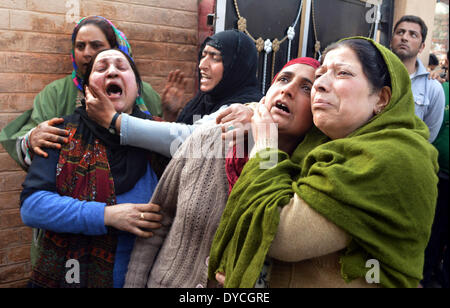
192 194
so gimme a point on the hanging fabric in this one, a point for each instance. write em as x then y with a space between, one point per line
267 45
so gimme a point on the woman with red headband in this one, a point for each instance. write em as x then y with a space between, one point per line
292 116
193 190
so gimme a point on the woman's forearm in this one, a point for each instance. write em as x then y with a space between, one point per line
303 234
50 211
161 137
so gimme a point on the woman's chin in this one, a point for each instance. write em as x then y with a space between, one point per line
123 107
280 119
206 87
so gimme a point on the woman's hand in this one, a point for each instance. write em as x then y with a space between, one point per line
220 277
235 121
172 98
263 125
99 107
138 219
45 135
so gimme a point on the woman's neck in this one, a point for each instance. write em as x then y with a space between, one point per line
288 144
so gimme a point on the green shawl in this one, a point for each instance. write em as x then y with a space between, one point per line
379 184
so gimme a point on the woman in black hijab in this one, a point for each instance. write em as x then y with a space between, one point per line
238 84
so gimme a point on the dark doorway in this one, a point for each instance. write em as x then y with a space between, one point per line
268 19
333 20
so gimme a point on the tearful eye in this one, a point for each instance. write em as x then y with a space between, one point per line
113 89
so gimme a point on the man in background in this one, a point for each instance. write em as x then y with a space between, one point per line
408 41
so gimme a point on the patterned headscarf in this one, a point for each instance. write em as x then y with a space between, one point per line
121 43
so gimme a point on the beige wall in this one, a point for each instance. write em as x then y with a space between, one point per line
425 10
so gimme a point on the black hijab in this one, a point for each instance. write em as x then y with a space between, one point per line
239 82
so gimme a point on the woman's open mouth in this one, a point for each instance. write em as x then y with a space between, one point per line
114 91
283 107
205 78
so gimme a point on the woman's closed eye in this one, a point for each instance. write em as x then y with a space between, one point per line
216 57
121 66
100 68
317 76
344 73
319 73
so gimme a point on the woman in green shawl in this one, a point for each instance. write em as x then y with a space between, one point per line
34 129
354 203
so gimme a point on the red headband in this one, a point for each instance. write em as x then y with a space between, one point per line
305 60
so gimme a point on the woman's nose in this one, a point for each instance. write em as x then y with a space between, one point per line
88 52
203 64
288 89
112 71
321 84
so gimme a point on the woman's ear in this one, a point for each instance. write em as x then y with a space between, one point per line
384 97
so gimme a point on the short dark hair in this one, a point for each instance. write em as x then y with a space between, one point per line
102 24
130 60
373 64
416 20
433 60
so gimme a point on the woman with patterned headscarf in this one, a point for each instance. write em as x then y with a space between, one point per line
34 129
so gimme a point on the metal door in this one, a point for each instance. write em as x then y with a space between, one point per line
323 20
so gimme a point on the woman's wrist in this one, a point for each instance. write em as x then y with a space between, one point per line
107 120
108 216
26 148
118 124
